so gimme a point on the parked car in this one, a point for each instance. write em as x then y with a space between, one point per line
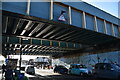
79 69
30 69
107 70
60 69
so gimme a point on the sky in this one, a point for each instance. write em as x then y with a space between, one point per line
109 7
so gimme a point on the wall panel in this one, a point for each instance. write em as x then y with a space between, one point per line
17 7
100 25
89 22
116 31
40 9
109 28
76 18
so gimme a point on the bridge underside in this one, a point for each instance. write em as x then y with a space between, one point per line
36 36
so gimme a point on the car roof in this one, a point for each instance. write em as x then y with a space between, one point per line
103 63
75 64
29 65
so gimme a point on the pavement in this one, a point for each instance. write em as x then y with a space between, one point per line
0 74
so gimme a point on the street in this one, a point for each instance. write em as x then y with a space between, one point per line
50 75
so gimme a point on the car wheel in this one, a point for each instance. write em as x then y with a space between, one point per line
81 74
69 72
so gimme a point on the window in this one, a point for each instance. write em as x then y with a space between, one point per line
108 67
102 67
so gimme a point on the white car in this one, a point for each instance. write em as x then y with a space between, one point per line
30 69
78 69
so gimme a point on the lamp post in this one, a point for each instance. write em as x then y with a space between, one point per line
98 58
21 52
20 55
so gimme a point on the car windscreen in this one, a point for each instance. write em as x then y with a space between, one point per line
61 67
30 67
22 68
82 66
116 66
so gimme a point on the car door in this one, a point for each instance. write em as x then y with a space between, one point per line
107 72
77 70
101 71
111 72
72 69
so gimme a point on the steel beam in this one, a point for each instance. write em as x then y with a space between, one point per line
43 31
105 29
113 33
83 20
6 24
70 18
51 10
52 32
28 7
95 24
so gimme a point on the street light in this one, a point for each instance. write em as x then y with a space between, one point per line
21 52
